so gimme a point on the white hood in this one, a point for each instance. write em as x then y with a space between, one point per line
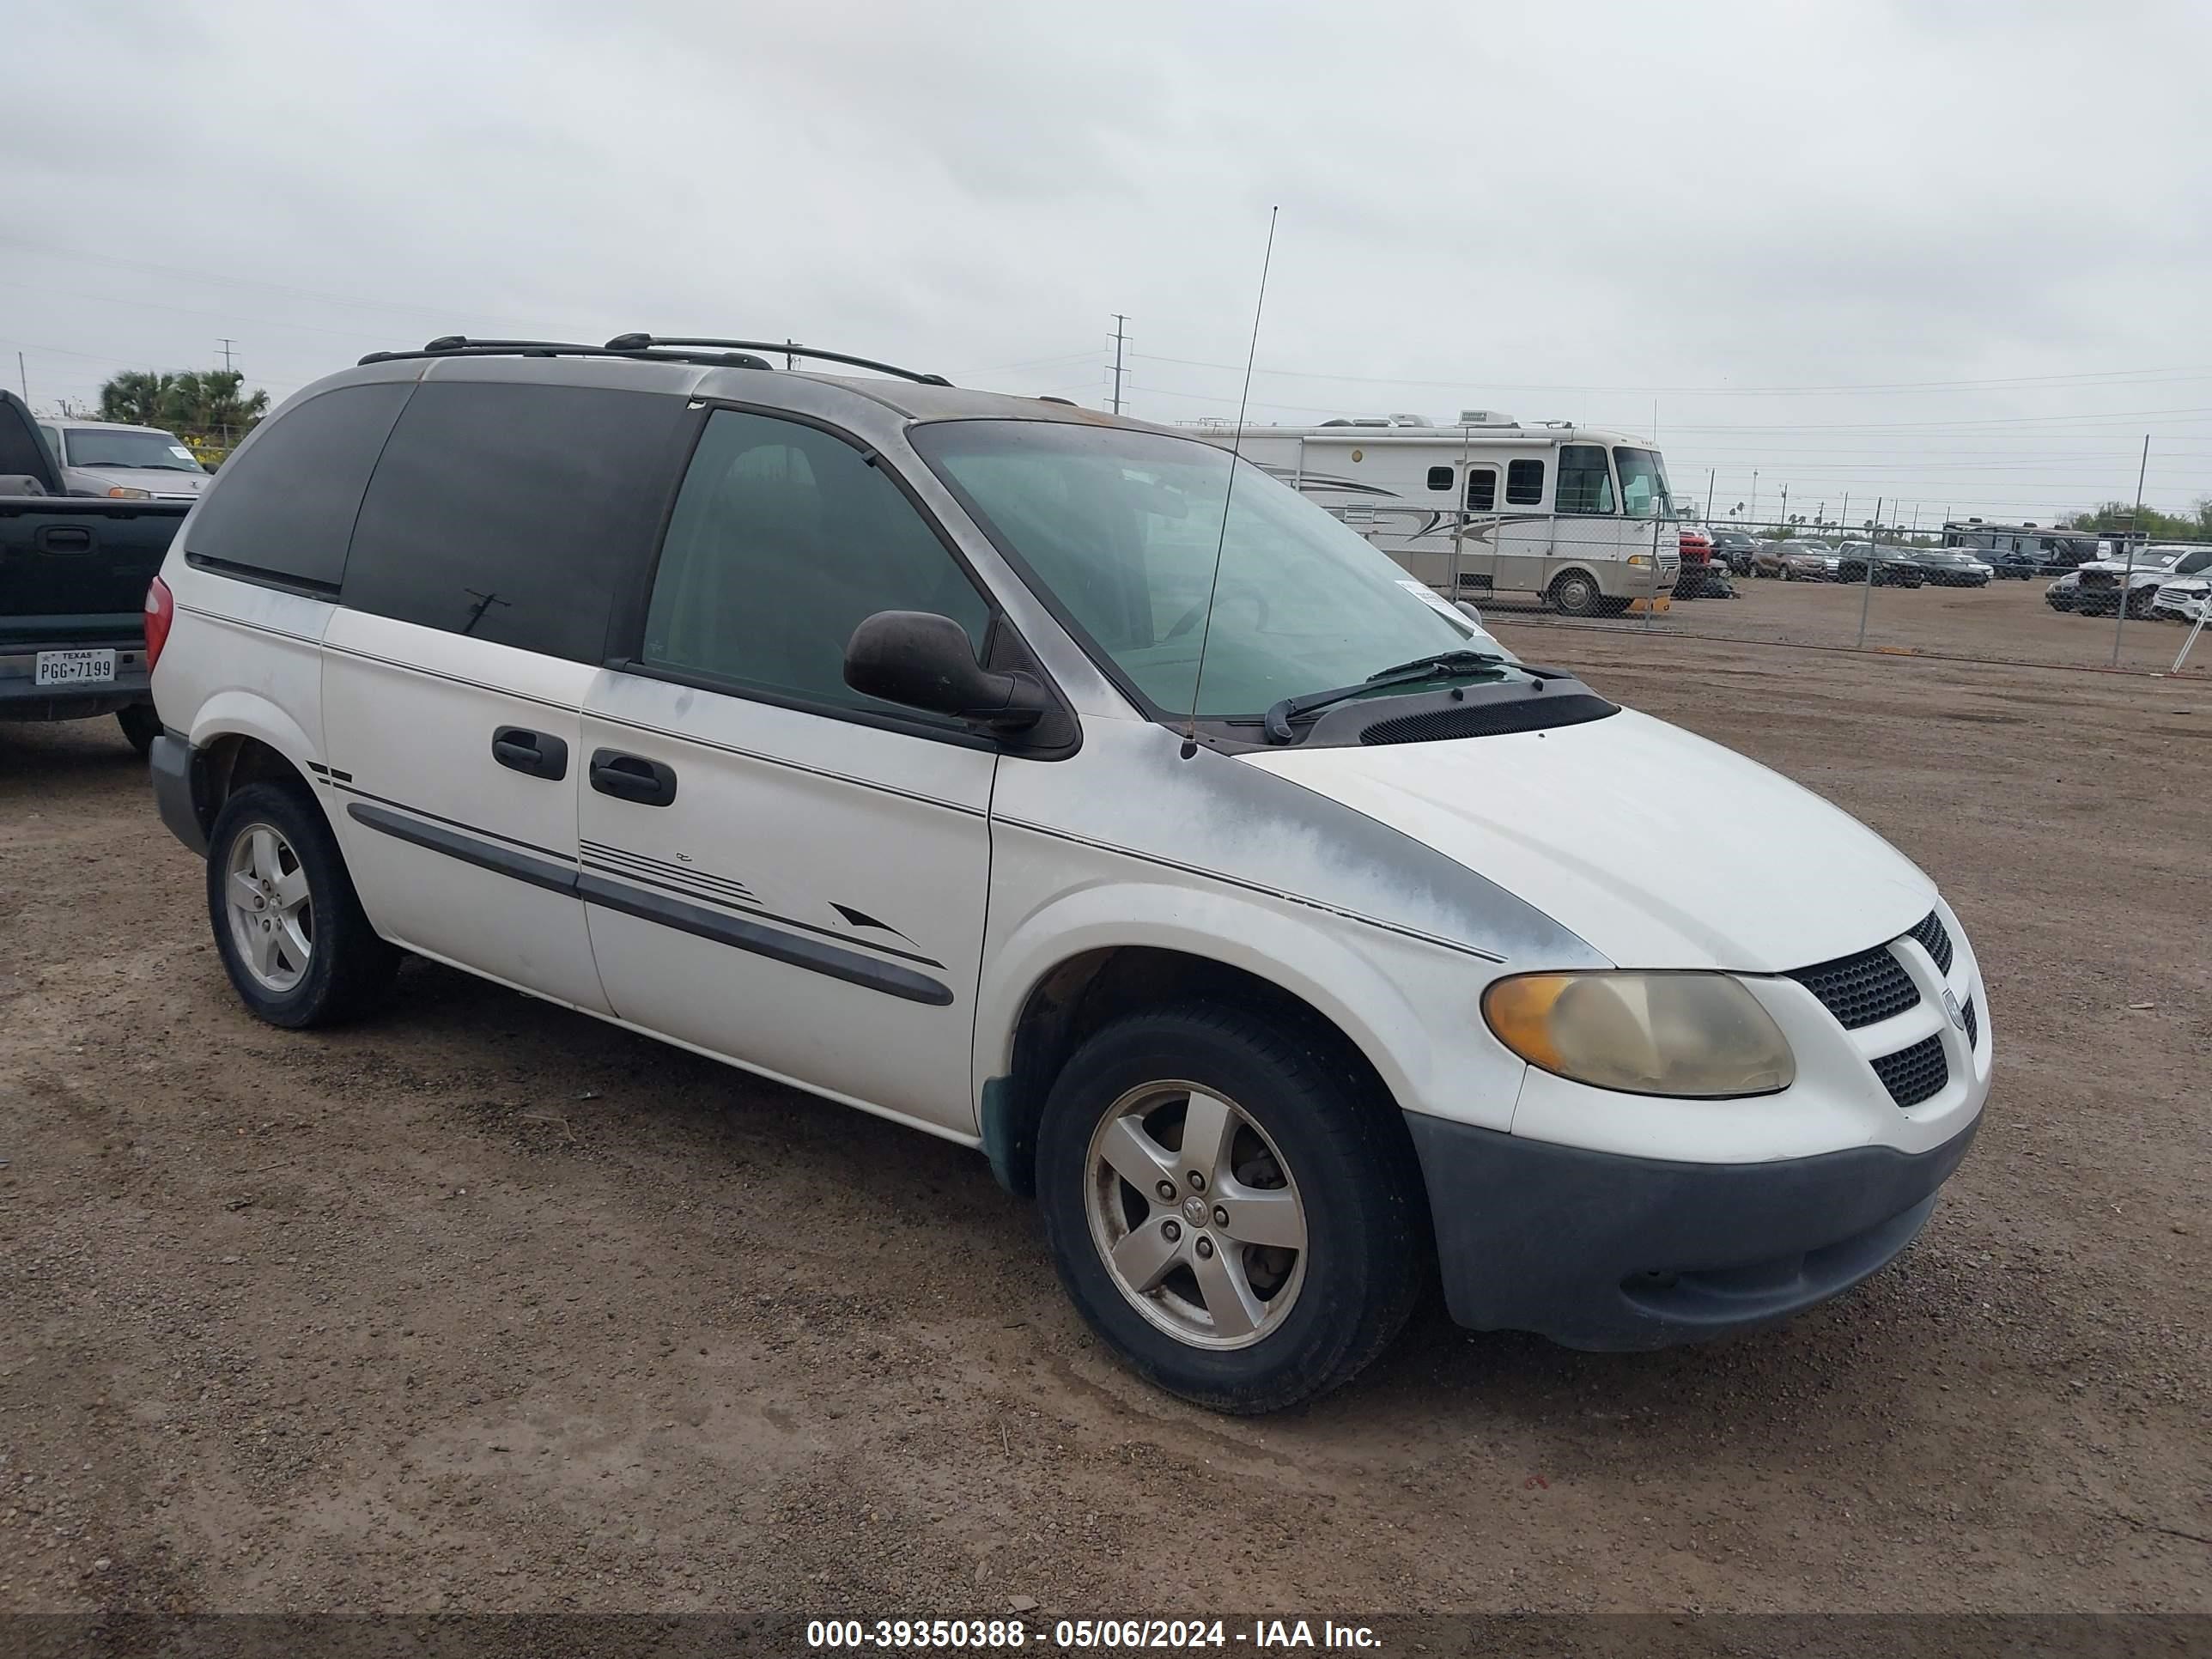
1659 848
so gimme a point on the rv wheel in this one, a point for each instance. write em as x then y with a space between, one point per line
1575 595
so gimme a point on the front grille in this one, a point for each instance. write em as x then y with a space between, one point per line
1912 1075
1862 990
1932 934
1973 1025
1488 720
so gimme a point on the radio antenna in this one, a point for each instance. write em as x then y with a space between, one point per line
1236 447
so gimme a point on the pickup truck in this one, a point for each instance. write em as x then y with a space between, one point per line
74 572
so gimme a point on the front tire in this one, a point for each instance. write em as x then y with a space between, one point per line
1231 1206
1575 594
287 924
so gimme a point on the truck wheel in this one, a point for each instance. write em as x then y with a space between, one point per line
141 726
1575 595
1228 1207
286 921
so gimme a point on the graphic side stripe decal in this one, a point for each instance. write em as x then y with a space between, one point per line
817 955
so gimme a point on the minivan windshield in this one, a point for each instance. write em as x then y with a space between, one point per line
154 451
1117 529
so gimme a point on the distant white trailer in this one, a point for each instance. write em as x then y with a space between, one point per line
1580 517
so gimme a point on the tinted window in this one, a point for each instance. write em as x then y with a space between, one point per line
1524 483
1440 478
783 541
510 513
1482 489
1585 482
285 504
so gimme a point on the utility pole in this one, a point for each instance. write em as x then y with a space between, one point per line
24 375
1709 495
1785 507
1120 335
227 343
1844 514
2128 581
1754 495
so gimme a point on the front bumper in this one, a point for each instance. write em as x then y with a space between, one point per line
1600 1251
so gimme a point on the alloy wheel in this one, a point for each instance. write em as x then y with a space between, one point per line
272 915
1195 1215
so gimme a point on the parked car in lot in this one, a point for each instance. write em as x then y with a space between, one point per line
2181 599
1891 567
123 463
2013 565
2103 581
1948 567
73 576
853 732
1700 576
2065 593
1768 558
1735 548
1809 561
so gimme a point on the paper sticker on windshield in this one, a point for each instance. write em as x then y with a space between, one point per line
180 452
1435 600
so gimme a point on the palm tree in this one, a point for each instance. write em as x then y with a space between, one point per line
136 397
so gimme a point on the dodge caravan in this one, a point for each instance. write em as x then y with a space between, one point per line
1064 786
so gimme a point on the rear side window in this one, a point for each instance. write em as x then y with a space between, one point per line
1440 478
1524 483
1585 482
511 512
1482 489
285 506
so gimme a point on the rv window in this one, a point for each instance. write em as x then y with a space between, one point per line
1585 481
1524 483
1482 489
1440 478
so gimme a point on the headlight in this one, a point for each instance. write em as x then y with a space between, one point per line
1701 1035
127 493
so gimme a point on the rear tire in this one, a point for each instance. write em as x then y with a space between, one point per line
305 955
1325 1250
141 726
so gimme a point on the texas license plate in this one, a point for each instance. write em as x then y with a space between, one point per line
74 667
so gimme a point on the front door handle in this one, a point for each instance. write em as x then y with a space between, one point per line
538 754
633 778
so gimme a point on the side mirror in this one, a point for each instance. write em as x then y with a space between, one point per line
924 661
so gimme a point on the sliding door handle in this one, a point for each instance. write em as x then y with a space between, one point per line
633 778
537 754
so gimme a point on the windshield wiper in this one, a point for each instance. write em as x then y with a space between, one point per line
1277 720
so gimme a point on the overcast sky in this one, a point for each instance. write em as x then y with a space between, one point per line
1954 253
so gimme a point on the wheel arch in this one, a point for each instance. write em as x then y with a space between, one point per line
1045 1010
240 738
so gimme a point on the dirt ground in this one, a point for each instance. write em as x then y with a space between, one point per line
486 1305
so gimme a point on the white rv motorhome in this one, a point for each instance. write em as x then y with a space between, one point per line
1486 507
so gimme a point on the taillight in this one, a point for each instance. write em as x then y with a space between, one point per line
160 611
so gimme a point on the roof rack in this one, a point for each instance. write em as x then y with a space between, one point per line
649 348
789 348
460 345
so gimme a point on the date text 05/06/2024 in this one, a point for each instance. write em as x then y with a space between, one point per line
1115 1635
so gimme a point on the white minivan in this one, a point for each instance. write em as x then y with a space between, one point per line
1060 786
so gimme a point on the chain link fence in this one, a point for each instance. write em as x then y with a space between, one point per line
2011 594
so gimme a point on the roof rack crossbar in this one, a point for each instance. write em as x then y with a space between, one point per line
789 348
460 345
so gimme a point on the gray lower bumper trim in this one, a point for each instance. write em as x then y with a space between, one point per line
1600 1251
172 763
